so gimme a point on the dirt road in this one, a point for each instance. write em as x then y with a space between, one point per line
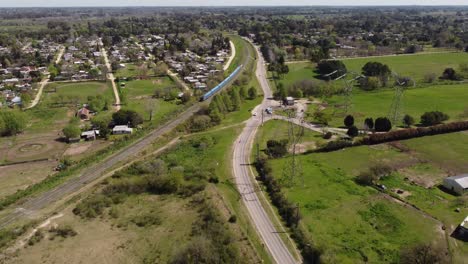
110 77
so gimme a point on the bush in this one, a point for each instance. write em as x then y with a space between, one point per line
369 83
146 220
11 122
433 118
36 238
430 77
92 206
327 135
336 145
71 131
232 219
366 178
277 149
126 117
375 69
353 131
63 231
450 74
382 124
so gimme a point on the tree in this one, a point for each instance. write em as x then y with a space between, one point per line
375 69
71 131
127 117
13 122
102 124
408 120
349 121
252 93
243 92
281 93
382 124
423 254
433 118
369 123
160 68
329 66
352 131
322 117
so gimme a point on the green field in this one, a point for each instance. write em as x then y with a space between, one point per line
344 217
128 71
415 66
139 97
450 99
80 90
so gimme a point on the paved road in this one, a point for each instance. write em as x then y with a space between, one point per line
243 177
46 80
110 76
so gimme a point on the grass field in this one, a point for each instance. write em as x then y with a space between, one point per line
128 71
79 89
139 95
450 99
415 66
342 217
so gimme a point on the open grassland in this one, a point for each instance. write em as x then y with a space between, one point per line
80 90
414 66
450 99
240 46
343 216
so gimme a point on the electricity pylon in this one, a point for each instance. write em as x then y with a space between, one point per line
293 169
396 108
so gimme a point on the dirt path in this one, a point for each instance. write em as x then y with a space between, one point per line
110 77
233 55
45 81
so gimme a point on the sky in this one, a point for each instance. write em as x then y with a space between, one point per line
57 3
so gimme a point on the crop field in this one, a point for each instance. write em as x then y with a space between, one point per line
342 216
450 99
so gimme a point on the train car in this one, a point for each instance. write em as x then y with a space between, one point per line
220 85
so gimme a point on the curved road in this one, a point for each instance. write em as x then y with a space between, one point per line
243 177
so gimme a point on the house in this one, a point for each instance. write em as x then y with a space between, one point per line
461 232
90 135
457 184
16 101
83 113
119 130
288 101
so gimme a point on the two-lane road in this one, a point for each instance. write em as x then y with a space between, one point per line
243 175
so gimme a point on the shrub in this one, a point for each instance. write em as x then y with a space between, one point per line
232 219
327 135
37 237
63 231
366 178
450 74
276 149
336 145
430 77
375 69
433 118
92 206
353 131
382 124
146 220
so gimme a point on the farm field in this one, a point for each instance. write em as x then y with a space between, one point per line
342 216
450 99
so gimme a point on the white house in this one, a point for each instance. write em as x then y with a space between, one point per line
118 130
457 184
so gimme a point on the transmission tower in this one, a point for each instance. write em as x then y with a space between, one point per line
348 92
292 171
396 108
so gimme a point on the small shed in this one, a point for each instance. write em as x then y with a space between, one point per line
288 101
457 184
119 130
90 135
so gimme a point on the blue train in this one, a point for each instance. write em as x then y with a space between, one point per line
221 84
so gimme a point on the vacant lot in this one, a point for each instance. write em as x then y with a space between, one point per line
139 97
80 90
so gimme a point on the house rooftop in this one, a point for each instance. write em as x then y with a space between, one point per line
461 180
